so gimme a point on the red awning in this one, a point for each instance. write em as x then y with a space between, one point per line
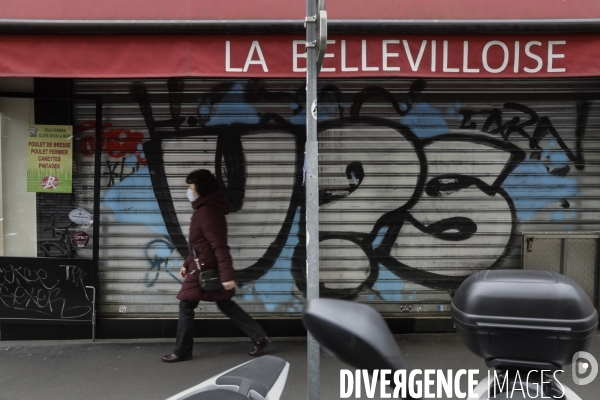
191 10
40 38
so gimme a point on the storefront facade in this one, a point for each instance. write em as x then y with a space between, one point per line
437 152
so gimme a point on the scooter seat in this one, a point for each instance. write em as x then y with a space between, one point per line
217 394
259 375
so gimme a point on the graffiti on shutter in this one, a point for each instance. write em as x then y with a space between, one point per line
421 183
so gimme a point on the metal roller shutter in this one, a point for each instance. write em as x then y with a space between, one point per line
422 183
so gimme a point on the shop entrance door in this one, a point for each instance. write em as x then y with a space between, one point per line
49 216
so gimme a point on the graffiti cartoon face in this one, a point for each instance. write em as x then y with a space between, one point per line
463 218
390 195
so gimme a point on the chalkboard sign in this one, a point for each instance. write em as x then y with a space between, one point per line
50 290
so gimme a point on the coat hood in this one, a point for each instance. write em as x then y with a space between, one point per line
214 199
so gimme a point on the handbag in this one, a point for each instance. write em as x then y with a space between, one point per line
209 279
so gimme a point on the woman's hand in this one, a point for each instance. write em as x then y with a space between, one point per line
183 272
228 285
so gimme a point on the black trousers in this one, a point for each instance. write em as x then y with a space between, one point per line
185 328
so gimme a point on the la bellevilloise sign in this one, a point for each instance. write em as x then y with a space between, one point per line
283 56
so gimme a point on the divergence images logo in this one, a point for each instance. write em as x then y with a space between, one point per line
584 363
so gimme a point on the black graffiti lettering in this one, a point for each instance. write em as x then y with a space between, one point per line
111 173
466 122
542 126
157 261
175 87
123 172
503 124
583 110
495 118
402 106
545 127
515 125
494 122
231 170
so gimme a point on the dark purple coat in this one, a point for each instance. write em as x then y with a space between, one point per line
208 235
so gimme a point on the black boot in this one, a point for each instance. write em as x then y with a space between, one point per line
260 346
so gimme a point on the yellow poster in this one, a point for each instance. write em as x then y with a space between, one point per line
50 159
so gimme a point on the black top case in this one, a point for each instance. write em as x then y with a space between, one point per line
517 319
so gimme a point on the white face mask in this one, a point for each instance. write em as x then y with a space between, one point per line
190 195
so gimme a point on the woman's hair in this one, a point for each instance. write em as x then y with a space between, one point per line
204 181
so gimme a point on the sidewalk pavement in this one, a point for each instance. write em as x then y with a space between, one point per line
132 369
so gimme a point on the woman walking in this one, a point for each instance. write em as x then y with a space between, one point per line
208 235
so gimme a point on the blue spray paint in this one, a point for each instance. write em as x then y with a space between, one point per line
388 286
532 188
133 202
232 109
379 237
300 118
558 215
425 121
131 161
558 159
275 288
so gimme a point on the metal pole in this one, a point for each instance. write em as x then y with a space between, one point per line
312 193
96 213
97 176
93 312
